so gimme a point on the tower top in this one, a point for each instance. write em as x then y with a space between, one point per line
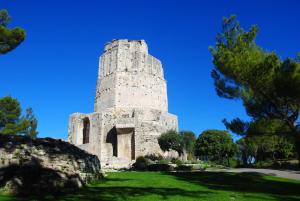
133 45
129 77
123 55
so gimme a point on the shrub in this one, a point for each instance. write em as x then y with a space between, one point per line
199 166
141 163
184 168
176 161
160 167
154 157
163 161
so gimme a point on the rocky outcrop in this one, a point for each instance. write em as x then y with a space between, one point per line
32 166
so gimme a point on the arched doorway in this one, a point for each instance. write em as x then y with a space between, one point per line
86 130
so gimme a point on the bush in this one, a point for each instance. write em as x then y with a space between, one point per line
285 164
141 163
154 157
160 167
163 161
176 161
184 168
200 166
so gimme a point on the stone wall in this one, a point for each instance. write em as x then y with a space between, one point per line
33 166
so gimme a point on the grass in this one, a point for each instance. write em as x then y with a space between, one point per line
152 186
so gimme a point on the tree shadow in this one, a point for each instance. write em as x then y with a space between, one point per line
111 191
248 182
129 193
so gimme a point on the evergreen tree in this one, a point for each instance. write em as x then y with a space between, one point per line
268 86
11 121
9 38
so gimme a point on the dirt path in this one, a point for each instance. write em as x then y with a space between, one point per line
289 174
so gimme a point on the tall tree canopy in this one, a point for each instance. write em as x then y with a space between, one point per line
268 86
9 38
11 121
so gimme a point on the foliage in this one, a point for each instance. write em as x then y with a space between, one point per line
163 161
189 140
176 161
184 168
4 17
285 148
11 121
215 145
237 126
160 167
9 38
141 163
154 157
171 140
10 112
32 123
144 163
256 149
268 86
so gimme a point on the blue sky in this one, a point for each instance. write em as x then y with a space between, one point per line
55 70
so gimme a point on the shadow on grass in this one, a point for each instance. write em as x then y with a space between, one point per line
249 182
129 193
117 193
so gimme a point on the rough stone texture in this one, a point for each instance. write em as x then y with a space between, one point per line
131 107
33 166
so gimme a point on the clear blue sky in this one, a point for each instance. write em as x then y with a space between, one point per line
54 71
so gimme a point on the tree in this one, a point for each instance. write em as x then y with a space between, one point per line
11 121
189 141
258 148
31 123
268 86
215 145
285 148
10 112
171 140
9 38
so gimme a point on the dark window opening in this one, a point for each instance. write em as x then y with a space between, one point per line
112 138
86 130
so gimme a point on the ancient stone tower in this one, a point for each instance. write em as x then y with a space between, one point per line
131 106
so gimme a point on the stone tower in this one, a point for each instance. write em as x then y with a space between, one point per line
131 106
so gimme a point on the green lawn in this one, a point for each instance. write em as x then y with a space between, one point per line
184 186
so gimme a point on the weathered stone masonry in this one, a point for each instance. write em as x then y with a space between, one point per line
131 106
